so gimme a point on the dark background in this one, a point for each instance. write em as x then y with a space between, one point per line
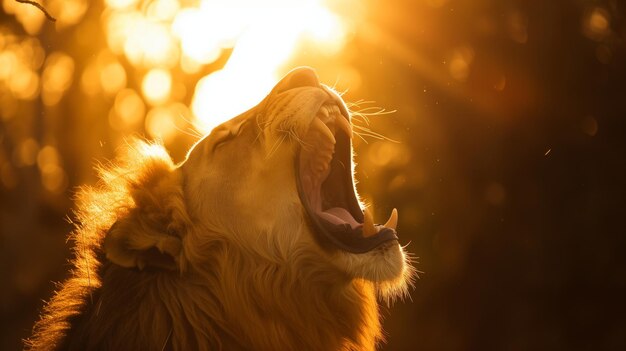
509 175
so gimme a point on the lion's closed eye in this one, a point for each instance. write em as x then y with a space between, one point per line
226 133
227 136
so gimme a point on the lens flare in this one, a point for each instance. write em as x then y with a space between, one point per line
266 41
56 77
171 35
157 86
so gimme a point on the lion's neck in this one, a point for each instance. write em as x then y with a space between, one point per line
294 304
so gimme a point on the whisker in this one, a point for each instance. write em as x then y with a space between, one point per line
376 111
342 93
296 138
187 132
334 86
195 131
356 116
360 136
364 131
261 125
258 136
363 115
358 103
190 122
191 130
276 146
367 132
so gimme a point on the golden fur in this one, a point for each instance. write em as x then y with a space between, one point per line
214 253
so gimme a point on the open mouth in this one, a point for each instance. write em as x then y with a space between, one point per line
326 186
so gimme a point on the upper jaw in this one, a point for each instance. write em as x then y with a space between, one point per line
326 187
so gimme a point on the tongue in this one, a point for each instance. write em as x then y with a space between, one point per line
339 215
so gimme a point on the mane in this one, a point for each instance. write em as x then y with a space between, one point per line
98 207
222 296
277 302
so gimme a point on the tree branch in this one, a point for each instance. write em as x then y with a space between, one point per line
40 7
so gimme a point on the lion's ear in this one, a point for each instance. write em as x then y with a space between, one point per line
150 233
130 245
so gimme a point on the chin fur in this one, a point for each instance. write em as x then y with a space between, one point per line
388 267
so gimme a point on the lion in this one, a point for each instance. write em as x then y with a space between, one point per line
257 241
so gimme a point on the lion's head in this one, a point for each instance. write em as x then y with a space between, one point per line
279 178
257 240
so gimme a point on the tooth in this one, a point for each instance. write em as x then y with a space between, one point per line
319 125
368 223
392 222
324 112
327 147
320 166
343 124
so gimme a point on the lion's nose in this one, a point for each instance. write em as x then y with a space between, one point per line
297 78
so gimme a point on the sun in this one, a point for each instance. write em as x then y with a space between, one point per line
162 37
265 34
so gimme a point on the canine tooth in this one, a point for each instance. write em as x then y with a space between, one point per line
319 125
368 223
392 222
343 124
